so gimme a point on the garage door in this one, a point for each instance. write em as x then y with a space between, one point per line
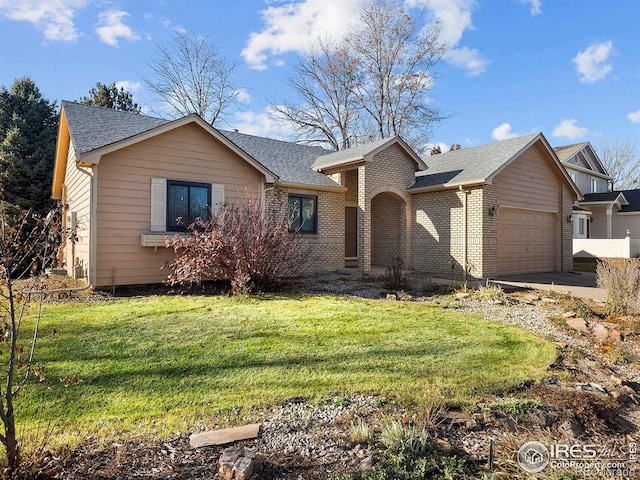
527 241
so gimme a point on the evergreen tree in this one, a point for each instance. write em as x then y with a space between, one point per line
110 96
28 129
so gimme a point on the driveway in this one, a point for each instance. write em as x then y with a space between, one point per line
578 284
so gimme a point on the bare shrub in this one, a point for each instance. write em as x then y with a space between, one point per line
394 272
253 249
621 279
28 245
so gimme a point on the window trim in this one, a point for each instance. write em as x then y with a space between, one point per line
170 222
302 196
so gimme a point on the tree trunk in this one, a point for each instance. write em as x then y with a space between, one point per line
13 450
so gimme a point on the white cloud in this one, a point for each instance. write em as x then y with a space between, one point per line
468 59
53 17
444 147
454 17
111 27
295 26
166 23
568 129
262 124
536 6
503 132
132 87
243 96
592 64
634 116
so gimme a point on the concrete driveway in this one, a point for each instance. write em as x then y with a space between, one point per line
578 284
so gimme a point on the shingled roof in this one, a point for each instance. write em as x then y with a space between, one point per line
94 127
290 161
565 152
360 152
472 165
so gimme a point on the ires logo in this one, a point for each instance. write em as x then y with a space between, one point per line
534 456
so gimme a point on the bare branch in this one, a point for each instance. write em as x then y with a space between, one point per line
621 158
373 84
191 76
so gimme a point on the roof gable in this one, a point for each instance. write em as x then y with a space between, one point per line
479 165
581 155
92 127
364 152
470 165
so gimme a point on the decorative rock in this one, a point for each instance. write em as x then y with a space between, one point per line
227 461
618 379
577 324
243 468
600 332
615 335
547 300
592 387
366 464
391 297
571 428
569 314
461 295
236 464
225 435
442 443
623 398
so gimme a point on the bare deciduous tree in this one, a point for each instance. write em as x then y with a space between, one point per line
373 84
325 80
27 247
621 159
191 76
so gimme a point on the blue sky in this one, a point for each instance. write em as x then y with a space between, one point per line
568 68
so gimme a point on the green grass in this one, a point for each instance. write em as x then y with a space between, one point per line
165 363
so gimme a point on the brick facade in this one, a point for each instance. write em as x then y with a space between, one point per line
438 233
426 229
327 245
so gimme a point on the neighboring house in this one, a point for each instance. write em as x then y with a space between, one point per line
497 209
603 213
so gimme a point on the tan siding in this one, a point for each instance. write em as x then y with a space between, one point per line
77 187
530 181
124 197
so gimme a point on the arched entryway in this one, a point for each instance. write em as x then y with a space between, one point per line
388 228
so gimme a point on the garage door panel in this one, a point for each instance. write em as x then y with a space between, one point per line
527 241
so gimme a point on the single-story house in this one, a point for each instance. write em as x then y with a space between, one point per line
490 210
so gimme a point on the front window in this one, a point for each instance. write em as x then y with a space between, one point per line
594 185
303 212
186 202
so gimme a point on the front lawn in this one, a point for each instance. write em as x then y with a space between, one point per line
166 363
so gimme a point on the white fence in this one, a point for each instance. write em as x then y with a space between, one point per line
606 248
